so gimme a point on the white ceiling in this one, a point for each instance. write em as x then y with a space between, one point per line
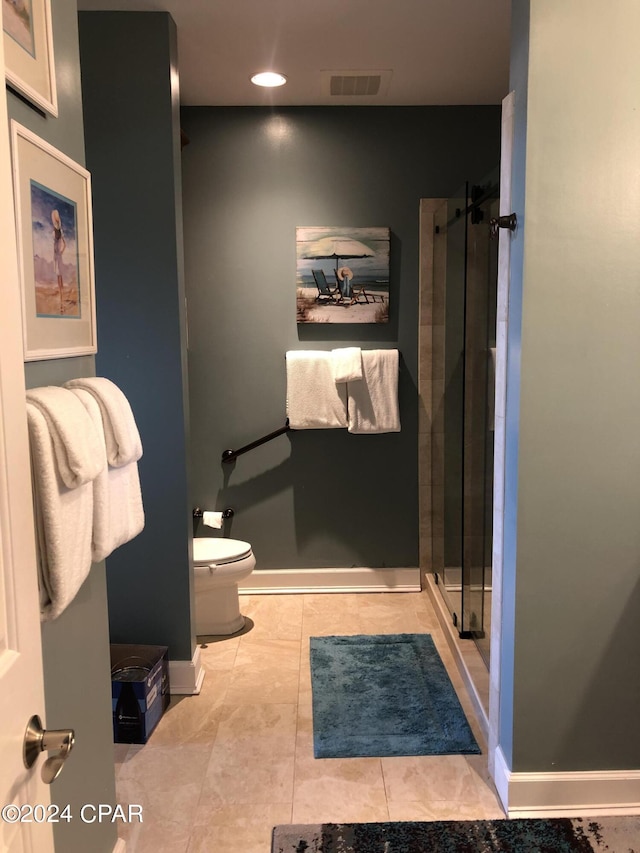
440 51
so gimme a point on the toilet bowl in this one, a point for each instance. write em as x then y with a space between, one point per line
219 565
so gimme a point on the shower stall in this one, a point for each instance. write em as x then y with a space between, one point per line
465 274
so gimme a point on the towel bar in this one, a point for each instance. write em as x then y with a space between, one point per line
230 455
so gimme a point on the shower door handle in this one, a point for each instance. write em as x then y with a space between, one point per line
509 221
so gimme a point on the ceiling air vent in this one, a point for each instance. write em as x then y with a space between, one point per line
356 84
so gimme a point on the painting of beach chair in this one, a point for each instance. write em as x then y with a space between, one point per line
357 292
324 291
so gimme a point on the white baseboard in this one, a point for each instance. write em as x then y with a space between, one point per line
186 676
358 579
592 792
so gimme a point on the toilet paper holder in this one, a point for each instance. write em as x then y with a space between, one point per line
226 513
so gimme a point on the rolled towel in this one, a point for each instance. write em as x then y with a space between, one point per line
314 400
373 402
347 364
118 514
77 445
120 431
63 519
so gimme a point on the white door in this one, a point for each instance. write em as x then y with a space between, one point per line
21 683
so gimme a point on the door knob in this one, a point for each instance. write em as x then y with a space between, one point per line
37 740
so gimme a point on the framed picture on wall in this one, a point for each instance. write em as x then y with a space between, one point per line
28 51
342 275
55 249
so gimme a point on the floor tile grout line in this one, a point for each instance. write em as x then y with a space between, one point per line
384 785
202 786
228 681
295 738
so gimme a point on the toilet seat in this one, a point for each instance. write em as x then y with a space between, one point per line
219 552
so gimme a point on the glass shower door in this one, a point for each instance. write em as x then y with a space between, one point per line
479 390
465 296
448 401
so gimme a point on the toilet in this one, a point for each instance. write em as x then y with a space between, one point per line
219 565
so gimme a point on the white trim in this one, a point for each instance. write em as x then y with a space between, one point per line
500 426
589 792
186 676
357 579
501 774
121 846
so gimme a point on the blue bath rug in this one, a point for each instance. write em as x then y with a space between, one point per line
384 695
538 835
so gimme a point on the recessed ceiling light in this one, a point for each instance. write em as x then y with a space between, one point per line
269 78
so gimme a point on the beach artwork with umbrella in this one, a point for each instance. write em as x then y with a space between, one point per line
342 275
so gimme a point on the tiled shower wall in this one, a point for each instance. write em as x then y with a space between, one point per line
431 388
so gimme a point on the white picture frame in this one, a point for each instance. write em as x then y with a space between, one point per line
28 51
54 230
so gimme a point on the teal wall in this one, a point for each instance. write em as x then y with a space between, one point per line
311 498
76 645
132 132
572 569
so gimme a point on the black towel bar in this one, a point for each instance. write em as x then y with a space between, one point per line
230 455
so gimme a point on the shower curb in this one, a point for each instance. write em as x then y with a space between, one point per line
454 643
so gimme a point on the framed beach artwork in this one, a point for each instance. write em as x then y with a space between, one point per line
55 249
342 275
28 51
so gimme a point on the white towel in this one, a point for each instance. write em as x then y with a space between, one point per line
118 513
373 402
347 364
314 401
63 522
77 445
120 431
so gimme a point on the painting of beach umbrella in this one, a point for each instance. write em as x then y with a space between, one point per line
337 249
324 290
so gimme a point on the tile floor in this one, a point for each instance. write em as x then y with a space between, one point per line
222 768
